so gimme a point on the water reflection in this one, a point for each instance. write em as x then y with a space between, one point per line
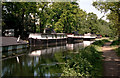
75 46
47 51
40 61
69 46
87 43
13 53
17 59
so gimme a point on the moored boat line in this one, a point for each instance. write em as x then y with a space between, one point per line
47 39
42 39
57 38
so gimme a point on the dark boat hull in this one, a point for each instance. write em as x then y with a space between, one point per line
47 42
74 40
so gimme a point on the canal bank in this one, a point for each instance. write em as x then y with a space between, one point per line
12 43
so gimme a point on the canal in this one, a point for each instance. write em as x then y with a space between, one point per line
39 61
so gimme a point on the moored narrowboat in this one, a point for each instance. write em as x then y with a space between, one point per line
45 39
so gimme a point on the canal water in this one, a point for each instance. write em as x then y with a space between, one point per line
40 61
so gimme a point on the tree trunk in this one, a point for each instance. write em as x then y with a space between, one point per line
41 28
22 26
34 24
118 12
64 29
118 26
119 32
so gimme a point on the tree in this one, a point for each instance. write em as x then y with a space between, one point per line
66 16
104 28
43 14
114 16
92 23
16 15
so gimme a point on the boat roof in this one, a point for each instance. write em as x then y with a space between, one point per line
9 41
48 33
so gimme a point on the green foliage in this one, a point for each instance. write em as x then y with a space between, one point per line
118 51
92 22
115 42
43 12
86 63
16 15
100 42
63 17
104 28
66 16
113 16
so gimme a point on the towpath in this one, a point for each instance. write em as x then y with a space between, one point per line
111 61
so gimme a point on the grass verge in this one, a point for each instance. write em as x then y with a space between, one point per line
101 42
115 42
118 51
87 63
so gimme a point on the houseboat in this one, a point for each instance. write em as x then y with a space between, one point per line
74 37
89 37
47 38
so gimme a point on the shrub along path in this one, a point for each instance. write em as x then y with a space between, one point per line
111 61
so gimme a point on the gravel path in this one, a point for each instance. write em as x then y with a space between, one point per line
111 61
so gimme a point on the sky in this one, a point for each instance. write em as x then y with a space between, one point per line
86 5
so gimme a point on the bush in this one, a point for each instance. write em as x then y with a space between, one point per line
100 42
118 51
115 42
87 62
